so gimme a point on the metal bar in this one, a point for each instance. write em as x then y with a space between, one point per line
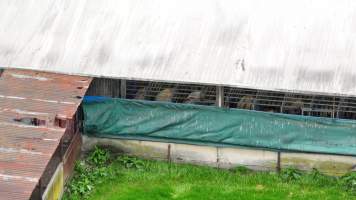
338 107
312 102
255 100
283 103
279 162
333 113
220 96
217 158
123 89
169 156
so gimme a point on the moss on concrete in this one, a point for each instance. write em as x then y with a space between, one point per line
334 168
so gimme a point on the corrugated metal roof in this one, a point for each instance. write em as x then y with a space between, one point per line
25 149
304 45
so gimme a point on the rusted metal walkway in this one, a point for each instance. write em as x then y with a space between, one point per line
34 110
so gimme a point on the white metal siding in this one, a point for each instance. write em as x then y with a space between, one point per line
298 45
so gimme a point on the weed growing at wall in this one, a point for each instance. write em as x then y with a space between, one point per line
349 182
89 172
99 156
291 174
130 162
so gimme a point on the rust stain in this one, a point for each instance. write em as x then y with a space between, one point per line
30 104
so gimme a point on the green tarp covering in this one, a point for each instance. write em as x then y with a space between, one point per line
206 125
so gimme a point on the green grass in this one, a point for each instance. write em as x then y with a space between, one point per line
191 182
155 180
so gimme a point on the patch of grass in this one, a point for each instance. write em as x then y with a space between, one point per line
241 170
291 174
349 182
130 178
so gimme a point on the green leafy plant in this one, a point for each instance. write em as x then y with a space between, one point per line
349 182
81 186
89 172
291 174
131 162
99 156
315 173
80 167
82 183
320 179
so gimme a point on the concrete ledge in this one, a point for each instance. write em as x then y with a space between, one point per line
253 159
144 149
221 157
194 154
201 155
328 164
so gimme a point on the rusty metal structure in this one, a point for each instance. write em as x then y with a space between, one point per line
38 129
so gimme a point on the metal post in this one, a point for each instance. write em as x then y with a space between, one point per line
283 103
169 156
220 96
217 158
256 100
278 161
169 159
341 102
123 89
312 105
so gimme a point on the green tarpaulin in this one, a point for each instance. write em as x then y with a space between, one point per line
208 125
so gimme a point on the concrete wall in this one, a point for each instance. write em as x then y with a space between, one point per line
226 157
